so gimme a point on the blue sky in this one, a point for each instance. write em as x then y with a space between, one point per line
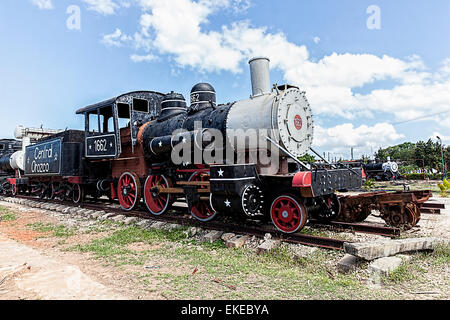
359 81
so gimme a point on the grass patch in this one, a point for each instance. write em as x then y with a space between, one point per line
438 257
113 247
59 231
7 215
275 275
414 269
403 273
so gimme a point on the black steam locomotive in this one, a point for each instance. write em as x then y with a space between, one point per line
239 158
382 171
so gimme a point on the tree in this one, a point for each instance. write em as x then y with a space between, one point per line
307 158
418 154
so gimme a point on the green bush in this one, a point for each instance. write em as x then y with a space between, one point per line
369 184
444 186
423 176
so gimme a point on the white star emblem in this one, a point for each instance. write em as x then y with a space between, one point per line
220 172
228 203
184 140
90 147
111 144
160 144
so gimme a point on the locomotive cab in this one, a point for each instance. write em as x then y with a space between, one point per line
114 123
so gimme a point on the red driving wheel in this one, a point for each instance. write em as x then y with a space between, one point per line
202 210
129 191
288 214
157 203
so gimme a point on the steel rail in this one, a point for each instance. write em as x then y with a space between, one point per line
358 227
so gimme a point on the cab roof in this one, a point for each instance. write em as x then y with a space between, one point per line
112 101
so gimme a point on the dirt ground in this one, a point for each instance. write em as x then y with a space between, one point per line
50 255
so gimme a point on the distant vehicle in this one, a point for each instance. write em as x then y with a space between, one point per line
382 171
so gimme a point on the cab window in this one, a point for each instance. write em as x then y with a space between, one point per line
2 146
140 105
123 110
101 120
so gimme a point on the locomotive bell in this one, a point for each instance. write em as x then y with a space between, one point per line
203 96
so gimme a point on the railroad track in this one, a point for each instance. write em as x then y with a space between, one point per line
176 216
359 227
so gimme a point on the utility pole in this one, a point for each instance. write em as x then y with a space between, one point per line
444 172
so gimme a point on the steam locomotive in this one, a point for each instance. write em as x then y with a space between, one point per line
382 171
239 158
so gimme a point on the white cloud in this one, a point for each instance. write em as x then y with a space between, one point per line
146 58
43 4
316 40
105 7
115 39
341 138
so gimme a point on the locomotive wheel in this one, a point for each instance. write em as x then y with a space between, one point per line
129 191
288 214
77 193
202 210
157 203
329 209
404 217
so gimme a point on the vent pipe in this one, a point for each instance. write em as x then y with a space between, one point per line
260 75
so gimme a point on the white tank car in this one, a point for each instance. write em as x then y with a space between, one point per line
282 111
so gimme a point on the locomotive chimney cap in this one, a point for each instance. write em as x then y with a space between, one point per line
258 58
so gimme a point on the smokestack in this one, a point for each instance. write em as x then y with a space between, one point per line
260 74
